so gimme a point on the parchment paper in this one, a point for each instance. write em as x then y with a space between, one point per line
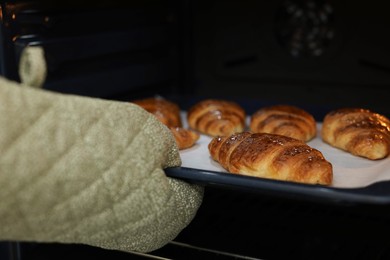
349 171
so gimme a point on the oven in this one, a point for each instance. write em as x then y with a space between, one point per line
316 54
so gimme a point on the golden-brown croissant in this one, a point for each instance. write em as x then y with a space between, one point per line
169 114
284 120
166 111
358 131
185 138
216 117
271 156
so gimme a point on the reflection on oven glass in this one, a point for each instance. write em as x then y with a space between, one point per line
305 28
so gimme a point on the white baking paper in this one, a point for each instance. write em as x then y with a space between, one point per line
349 171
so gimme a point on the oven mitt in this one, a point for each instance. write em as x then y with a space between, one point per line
85 170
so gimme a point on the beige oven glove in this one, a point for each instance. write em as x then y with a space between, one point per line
85 170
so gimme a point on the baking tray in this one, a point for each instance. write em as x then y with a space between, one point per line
375 194
356 180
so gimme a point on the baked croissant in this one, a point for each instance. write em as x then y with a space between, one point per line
284 120
216 117
166 111
185 138
169 114
358 131
271 156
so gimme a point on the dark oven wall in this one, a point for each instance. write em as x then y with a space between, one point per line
110 49
322 53
311 53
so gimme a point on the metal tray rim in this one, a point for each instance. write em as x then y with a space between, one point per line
375 194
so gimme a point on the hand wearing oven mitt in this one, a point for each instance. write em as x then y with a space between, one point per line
85 170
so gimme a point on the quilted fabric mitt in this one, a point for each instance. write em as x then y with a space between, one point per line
83 170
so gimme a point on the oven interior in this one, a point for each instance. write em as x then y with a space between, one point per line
317 54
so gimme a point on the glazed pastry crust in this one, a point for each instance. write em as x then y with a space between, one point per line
169 114
166 111
358 131
271 156
284 120
216 117
185 138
